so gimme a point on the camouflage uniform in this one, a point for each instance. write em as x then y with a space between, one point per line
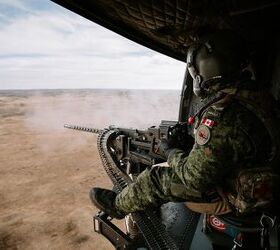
228 137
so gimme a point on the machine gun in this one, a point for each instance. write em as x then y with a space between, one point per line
125 153
136 149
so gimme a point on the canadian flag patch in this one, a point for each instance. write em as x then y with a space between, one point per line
209 123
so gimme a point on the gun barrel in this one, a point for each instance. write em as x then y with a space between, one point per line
82 128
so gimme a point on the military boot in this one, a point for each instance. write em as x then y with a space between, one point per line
104 200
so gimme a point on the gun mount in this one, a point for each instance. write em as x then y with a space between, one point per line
125 153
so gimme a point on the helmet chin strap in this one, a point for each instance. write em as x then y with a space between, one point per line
201 88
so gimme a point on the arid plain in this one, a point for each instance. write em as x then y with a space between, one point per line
46 171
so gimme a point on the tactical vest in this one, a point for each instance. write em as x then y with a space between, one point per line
256 188
256 183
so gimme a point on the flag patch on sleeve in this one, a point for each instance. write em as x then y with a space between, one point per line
208 122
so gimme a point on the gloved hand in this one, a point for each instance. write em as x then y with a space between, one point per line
178 137
164 148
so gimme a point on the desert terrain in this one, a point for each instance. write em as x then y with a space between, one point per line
46 171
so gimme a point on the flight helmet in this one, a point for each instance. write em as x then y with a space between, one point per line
216 62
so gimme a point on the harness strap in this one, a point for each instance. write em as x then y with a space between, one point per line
214 208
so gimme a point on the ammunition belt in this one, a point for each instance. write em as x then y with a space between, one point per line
153 231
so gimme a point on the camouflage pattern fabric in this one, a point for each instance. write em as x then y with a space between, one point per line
256 188
232 138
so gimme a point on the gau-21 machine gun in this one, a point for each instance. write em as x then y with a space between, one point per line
125 153
136 146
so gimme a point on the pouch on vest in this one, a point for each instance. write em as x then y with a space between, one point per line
254 189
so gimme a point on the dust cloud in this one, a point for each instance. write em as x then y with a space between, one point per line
100 108
46 171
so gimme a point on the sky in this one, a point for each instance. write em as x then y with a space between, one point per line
44 46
